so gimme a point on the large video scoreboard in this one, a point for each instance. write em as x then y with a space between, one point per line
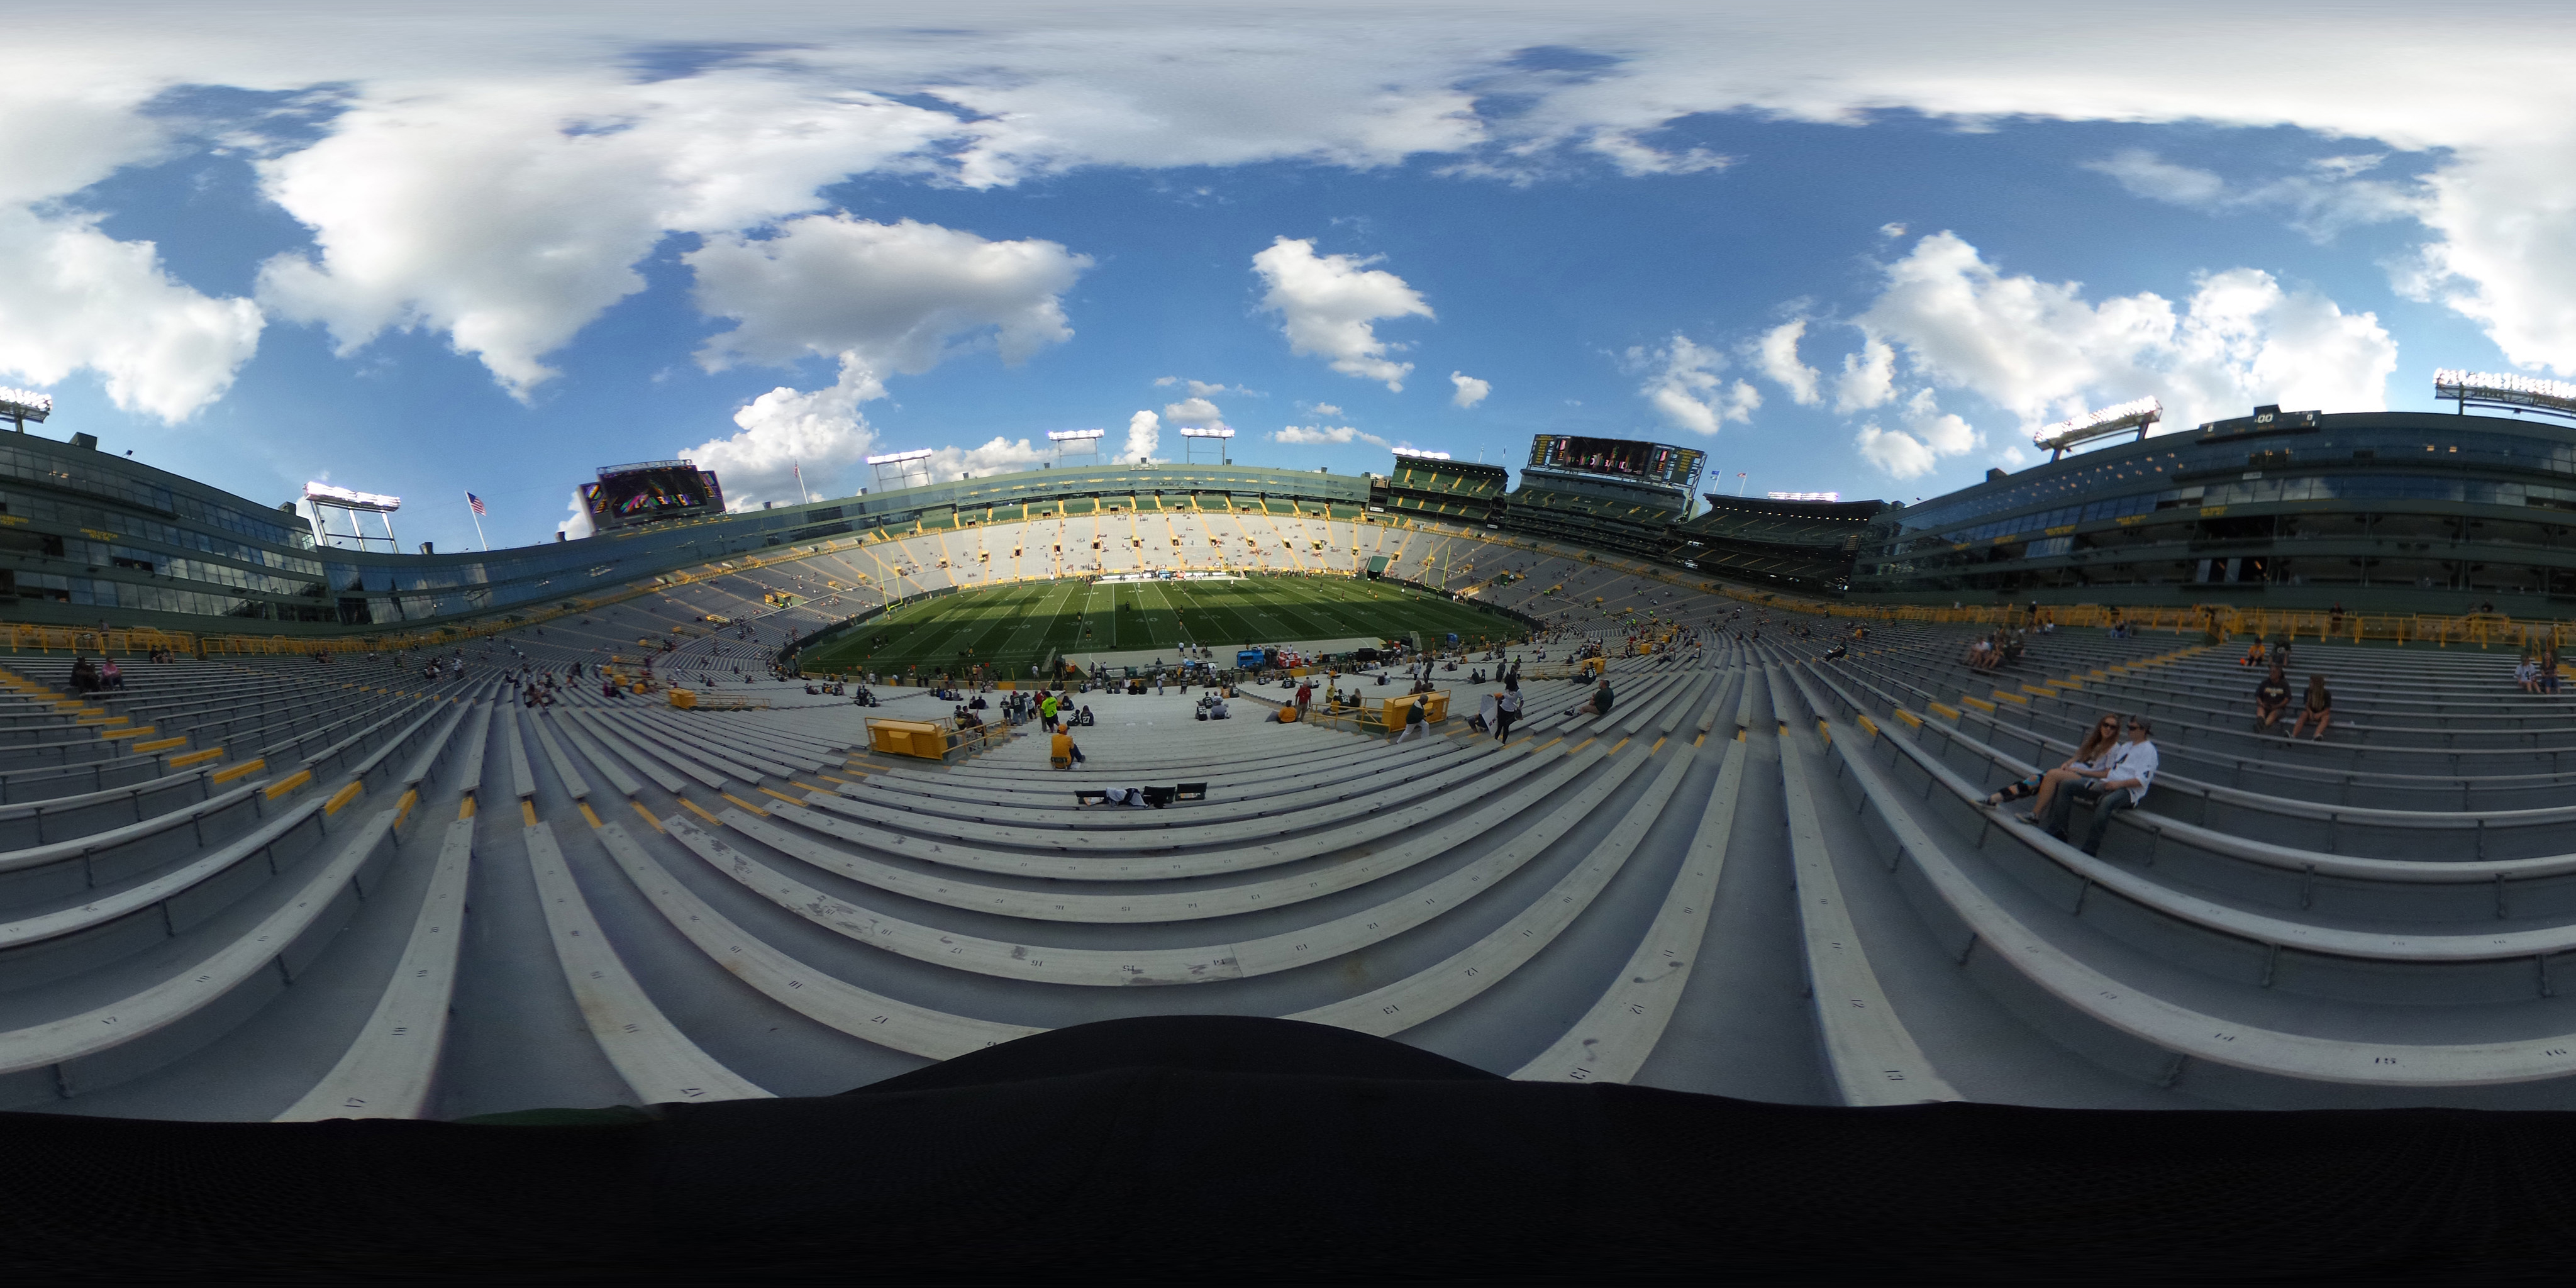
650 492
1620 458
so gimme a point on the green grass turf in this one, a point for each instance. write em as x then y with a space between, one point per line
1012 628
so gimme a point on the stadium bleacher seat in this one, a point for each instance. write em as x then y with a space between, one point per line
265 887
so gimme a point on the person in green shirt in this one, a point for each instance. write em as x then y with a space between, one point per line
1600 703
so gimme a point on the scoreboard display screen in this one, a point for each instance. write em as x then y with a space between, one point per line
1626 458
650 495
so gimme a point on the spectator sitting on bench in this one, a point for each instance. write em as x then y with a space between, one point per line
2119 785
1600 702
2320 708
2271 698
2095 753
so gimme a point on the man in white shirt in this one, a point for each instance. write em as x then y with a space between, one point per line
2120 784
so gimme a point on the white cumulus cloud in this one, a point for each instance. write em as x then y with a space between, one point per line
1925 434
1329 304
500 191
1471 391
2507 252
508 212
1778 352
76 299
822 433
899 295
1636 158
1193 412
2041 351
2321 198
1868 379
577 524
1684 388
1144 435
1000 456
1322 435
1900 454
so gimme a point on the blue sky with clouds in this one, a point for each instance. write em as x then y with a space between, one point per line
496 251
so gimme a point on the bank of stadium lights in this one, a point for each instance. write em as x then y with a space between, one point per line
2065 434
1193 436
2504 389
1077 442
326 499
18 406
1422 455
1804 496
897 469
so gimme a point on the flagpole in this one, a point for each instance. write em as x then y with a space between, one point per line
478 523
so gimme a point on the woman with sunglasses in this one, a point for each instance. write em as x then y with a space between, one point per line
2099 743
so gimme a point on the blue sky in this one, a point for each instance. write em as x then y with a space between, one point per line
1871 269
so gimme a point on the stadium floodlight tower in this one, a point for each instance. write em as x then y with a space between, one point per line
18 406
1076 442
902 469
2509 392
2062 437
327 500
1193 435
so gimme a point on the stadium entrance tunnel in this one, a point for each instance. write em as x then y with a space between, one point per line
1272 1149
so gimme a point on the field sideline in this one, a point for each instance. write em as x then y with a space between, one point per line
1012 628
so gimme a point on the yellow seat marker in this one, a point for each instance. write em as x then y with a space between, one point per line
648 817
341 798
528 811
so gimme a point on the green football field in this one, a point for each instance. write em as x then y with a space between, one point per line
1012 628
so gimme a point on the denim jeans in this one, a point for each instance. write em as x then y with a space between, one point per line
2104 804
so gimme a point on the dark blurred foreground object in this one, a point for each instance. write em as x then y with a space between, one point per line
1198 1147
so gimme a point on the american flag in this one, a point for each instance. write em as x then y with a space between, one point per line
476 502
